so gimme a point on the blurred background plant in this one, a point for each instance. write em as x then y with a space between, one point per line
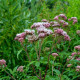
17 15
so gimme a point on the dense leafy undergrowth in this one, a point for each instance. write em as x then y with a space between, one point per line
44 50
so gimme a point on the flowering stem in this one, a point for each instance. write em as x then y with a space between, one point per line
37 53
40 45
30 61
47 66
52 68
63 70
9 74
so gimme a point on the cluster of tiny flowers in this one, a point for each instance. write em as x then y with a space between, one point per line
69 65
78 32
61 16
2 63
63 33
38 24
78 68
55 54
20 37
20 68
62 22
42 30
77 47
55 24
31 35
75 55
70 58
74 19
27 32
44 20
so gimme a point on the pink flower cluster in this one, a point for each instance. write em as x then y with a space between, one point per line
20 68
44 20
77 47
55 54
61 16
74 19
38 24
78 59
62 22
55 24
70 58
63 33
78 32
78 68
20 37
74 53
69 65
42 30
2 63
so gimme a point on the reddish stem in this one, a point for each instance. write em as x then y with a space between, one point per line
30 61
47 67
9 74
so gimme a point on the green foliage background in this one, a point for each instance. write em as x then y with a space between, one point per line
17 15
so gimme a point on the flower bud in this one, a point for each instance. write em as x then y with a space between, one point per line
20 68
78 67
67 38
77 47
2 63
56 18
69 65
42 35
44 20
78 32
78 59
77 70
55 54
73 53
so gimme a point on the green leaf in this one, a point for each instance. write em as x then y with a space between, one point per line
19 53
37 64
6 77
57 71
64 77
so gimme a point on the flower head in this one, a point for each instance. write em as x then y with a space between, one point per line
78 59
67 38
42 35
56 18
44 20
59 31
3 63
74 53
78 67
20 68
69 65
77 70
77 47
55 54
